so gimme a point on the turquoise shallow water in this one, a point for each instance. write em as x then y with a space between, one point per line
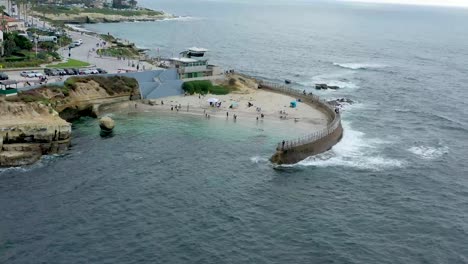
183 189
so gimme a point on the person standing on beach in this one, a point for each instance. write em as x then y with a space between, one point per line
227 114
284 142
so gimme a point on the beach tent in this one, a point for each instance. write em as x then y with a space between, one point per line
293 104
234 105
212 100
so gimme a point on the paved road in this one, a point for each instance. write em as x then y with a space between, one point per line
85 53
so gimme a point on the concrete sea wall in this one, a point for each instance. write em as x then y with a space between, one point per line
293 151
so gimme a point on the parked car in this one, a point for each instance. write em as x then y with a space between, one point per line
102 71
55 72
94 71
72 45
3 76
50 72
31 74
61 72
88 71
70 71
75 71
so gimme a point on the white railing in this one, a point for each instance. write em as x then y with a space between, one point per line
310 99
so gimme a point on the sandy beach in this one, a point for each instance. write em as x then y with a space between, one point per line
268 103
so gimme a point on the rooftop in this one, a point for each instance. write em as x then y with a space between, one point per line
195 49
187 60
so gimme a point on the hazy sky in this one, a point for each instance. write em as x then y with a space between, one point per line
460 3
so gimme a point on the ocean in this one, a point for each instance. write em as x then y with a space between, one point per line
171 188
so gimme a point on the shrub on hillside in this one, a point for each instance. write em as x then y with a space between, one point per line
220 90
200 87
204 87
112 85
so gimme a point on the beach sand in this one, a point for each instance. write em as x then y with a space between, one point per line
303 117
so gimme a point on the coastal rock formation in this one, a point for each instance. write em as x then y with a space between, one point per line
323 86
106 123
88 18
34 123
340 102
30 130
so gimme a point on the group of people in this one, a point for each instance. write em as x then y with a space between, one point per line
217 104
283 114
177 107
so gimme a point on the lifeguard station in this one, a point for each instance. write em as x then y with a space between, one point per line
6 88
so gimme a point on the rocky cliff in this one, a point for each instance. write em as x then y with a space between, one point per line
84 17
35 122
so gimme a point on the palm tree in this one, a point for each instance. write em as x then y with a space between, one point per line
4 25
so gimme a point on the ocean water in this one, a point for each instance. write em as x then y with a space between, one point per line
182 189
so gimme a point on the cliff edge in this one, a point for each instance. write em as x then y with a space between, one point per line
35 122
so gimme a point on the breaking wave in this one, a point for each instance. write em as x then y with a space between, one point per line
44 161
258 159
181 18
336 79
354 151
429 153
360 66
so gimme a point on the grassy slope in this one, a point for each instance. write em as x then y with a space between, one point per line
71 63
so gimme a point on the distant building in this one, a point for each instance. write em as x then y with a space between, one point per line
12 24
98 3
193 63
124 3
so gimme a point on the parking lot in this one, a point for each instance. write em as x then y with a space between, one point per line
84 52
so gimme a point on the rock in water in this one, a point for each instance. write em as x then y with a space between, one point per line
106 124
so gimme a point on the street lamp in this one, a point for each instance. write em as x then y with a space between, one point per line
36 39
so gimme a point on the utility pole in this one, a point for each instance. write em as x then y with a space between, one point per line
36 40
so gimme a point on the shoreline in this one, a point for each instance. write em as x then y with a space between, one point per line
84 16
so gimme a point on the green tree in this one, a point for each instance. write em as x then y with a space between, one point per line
49 46
9 45
22 42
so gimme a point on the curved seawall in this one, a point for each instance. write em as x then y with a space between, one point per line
293 151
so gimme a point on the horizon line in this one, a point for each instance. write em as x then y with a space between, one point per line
447 3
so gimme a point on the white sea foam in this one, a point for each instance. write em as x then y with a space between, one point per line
336 79
355 151
429 153
46 159
258 159
359 66
182 18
